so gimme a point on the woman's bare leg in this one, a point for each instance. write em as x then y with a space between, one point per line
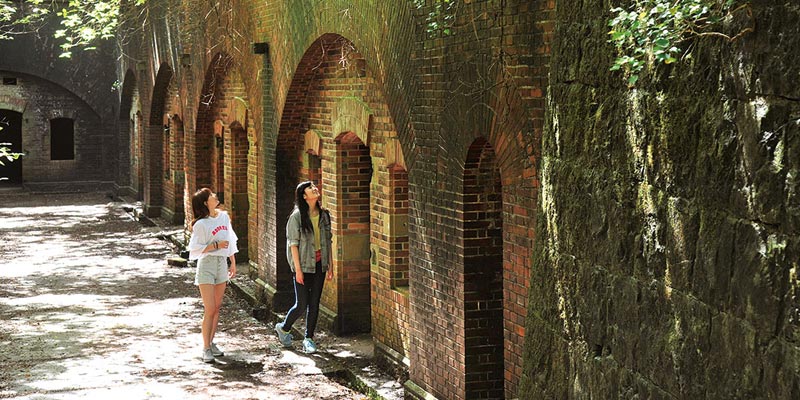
219 293
210 313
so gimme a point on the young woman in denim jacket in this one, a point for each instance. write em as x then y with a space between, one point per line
308 250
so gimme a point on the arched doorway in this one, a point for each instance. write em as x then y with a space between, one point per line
482 210
156 146
11 138
353 230
126 138
218 152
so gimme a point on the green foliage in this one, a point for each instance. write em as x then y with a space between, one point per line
439 16
83 22
652 31
86 21
5 153
21 16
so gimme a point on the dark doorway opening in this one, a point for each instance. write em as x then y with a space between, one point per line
62 139
11 137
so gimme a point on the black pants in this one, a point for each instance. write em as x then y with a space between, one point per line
307 297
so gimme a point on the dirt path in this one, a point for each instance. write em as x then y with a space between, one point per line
90 310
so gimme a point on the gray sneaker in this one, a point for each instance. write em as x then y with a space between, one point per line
208 357
216 351
309 346
284 337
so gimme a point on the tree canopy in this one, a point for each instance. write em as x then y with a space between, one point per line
82 22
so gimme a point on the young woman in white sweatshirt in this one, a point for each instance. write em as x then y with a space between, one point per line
213 241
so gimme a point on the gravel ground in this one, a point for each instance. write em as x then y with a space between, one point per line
91 310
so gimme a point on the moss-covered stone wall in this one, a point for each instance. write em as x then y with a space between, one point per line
669 218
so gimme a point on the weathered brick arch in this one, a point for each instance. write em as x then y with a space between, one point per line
218 151
201 143
155 142
130 174
312 143
175 191
506 142
391 283
126 95
331 94
293 164
482 252
352 115
351 183
13 103
237 147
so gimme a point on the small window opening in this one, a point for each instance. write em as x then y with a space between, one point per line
9 81
62 139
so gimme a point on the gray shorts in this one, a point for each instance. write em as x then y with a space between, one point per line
211 270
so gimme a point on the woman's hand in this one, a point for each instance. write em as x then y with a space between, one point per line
298 276
222 244
232 271
330 273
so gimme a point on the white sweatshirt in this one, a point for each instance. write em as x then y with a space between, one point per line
209 230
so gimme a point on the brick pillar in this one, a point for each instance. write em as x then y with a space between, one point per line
137 151
253 191
124 152
236 148
352 229
174 182
153 170
390 312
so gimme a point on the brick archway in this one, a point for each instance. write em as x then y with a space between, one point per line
352 229
131 139
334 110
236 156
502 122
202 143
218 153
174 163
11 124
482 246
155 141
125 137
304 107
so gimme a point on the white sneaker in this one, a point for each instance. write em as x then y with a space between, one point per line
208 357
216 351
309 346
284 337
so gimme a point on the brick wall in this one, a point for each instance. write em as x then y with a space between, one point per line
483 78
399 237
129 99
40 101
317 110
81 86
155 143
482 216
350 186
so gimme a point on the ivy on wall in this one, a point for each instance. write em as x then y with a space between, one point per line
439 16
654 31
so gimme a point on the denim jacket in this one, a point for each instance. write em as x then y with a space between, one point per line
305 242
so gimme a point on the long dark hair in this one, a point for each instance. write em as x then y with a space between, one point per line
301 204
199 207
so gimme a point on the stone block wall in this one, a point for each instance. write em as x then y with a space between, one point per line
40 101
669 225
49 87
495 191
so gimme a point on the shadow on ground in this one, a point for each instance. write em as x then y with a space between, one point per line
90 309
